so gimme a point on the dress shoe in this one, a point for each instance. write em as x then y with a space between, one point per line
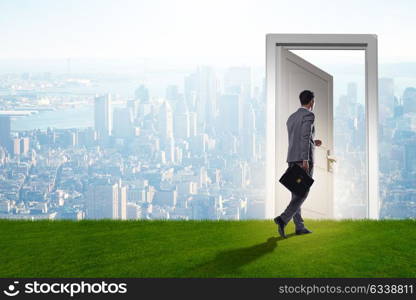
280 226
303 231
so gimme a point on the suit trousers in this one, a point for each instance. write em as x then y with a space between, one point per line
293 210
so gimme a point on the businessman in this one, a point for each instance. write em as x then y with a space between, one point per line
301 132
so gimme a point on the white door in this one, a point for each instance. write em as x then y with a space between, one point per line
295 75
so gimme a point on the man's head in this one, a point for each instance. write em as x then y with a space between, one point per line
307 99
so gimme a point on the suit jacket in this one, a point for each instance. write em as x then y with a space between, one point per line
301 133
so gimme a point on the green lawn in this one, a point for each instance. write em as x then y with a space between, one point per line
206 249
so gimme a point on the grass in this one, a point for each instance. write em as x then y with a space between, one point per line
347 248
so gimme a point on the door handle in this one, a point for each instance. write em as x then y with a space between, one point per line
331 158
330 161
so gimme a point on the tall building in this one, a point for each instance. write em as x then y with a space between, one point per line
87 137
230 113
68 139
24 145
103 116
398 108
410 157
203 83
199 144
123 122
191 90
228 143
15 146
172 93
352 92
5 131
168 147
181 123
409 100
248 150
193 127
102 201
237 80
386 98
142 94
122 202
134 106
182 126
165 121
203 207
165 197
2 156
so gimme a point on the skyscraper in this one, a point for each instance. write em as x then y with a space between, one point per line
165 197
204 84
102 201
409 100
191 90
172 93
15 146
386 98
248 136
134 106
24 145
230 113
165 121
103 116
352 92
182 121
122 202
142 94
203 207
5 131
193 128
123 122
237 80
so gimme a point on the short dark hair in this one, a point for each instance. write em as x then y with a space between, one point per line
306 96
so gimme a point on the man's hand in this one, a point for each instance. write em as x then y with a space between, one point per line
305 165
318 143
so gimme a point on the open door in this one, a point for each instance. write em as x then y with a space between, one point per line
286 75
295 75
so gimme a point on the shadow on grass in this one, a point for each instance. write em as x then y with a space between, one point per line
228 262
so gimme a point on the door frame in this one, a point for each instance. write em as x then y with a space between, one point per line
366 42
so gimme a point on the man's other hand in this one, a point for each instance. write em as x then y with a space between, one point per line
318 143
305 165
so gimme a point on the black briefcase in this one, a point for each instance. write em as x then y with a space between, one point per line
296 180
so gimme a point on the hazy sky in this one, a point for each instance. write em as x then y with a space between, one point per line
194 31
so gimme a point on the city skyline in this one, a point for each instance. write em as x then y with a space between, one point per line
167 157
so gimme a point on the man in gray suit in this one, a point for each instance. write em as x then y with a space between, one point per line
301 132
